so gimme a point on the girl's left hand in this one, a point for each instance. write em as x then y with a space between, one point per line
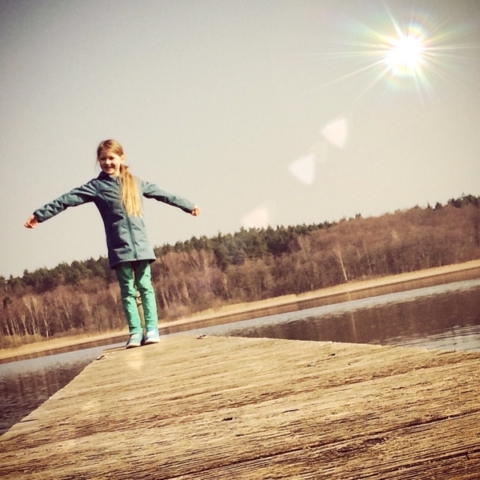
196 211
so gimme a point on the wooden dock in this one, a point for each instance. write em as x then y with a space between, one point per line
241 408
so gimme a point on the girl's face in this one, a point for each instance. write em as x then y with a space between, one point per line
110 162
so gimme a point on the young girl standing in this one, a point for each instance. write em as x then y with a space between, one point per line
117 195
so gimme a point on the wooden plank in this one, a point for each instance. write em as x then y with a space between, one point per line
256 408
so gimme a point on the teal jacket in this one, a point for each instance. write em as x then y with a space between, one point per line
126 236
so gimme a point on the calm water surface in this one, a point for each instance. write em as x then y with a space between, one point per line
444 317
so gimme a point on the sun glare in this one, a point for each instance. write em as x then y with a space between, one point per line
412 54
405 57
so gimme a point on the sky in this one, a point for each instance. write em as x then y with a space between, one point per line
261 112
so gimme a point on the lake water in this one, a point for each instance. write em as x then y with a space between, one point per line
439 317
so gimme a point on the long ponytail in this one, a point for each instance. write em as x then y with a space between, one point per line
130 197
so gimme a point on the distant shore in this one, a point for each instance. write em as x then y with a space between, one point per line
237 312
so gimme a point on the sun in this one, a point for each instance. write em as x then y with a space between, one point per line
406 55
413 53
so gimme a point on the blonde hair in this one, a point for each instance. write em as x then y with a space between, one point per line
130 197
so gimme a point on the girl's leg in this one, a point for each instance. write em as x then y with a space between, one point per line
143 280
124 272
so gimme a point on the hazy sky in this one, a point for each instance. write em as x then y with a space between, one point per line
277 112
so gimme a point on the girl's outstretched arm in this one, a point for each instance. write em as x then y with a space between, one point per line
78 196
32 222
196 211
150 190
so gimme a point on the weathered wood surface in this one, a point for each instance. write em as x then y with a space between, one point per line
219 408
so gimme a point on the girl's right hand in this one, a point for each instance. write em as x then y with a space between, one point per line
196 211
32 222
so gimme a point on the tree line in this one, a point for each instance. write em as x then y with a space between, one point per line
248 265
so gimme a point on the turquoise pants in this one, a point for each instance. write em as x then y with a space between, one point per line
133 276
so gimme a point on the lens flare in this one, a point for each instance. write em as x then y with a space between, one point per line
261 217
415 53
303 169
406 55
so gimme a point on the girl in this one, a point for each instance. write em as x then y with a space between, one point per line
117 195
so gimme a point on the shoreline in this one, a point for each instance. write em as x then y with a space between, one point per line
231 313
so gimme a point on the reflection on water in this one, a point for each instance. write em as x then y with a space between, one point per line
86 346
26 384
445 316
